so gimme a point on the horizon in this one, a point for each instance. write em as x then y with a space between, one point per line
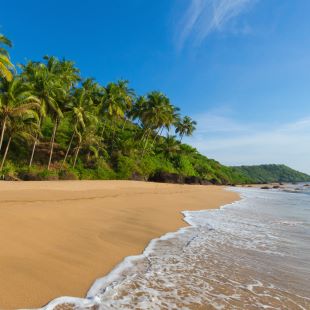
238 67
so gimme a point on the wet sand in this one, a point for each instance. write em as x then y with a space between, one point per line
58 237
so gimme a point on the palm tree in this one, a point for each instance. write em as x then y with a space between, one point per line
88 140
185 126
116 102
22 127
81 111
170 147
16 100
51 82
6 67
155 113
117 98
64 76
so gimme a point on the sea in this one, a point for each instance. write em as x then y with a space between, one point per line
251 254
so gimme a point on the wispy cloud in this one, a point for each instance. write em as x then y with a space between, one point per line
235 143
202 17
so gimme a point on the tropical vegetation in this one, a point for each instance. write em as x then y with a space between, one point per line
271 173
55 124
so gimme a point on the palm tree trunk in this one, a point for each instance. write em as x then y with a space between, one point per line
35 144
143 136
113 134
2 132
33 150
146 141
5 153
158 133
52 144
76 155
68 149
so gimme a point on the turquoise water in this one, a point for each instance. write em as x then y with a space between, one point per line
253 254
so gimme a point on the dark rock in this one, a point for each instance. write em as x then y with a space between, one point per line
265 187
276 186
192 180
29 176
214 181
10 177
43 151
136 176
166 177
205 182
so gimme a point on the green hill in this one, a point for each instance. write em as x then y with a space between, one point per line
271 173
57 124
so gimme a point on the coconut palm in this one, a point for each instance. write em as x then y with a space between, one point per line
170 147
21 127
81 112
16 100
6 67
116 101
51 83
155 113
185 126
118 97
87 140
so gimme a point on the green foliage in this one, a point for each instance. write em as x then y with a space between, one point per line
9 169
47 175
126 166
69 174
185 166
56 125
271 173
150 164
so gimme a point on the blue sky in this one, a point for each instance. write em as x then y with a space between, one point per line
240 67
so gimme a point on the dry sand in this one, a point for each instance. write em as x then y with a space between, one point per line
58 237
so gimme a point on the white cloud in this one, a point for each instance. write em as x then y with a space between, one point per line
233 143
205 16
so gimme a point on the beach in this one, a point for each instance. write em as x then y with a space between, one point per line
58 237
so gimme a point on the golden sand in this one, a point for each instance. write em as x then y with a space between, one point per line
58 237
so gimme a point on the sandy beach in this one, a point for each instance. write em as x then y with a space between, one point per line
58 237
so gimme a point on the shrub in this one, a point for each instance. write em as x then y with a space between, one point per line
47 175
68 175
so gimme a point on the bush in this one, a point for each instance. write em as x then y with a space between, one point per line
149 165
126 167
185 166
68 175
47 175
9 169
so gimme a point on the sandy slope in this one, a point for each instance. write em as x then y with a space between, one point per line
58 237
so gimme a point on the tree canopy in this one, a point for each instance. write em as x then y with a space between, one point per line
54 123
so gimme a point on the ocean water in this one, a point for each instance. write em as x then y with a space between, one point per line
252 254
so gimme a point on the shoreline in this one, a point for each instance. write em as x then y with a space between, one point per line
78 231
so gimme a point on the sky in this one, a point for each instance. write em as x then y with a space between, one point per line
241 68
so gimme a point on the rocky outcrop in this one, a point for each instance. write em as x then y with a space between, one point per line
43 151
136 176
30 176
167 177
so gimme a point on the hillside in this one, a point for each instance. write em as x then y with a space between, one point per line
271 173
56 124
